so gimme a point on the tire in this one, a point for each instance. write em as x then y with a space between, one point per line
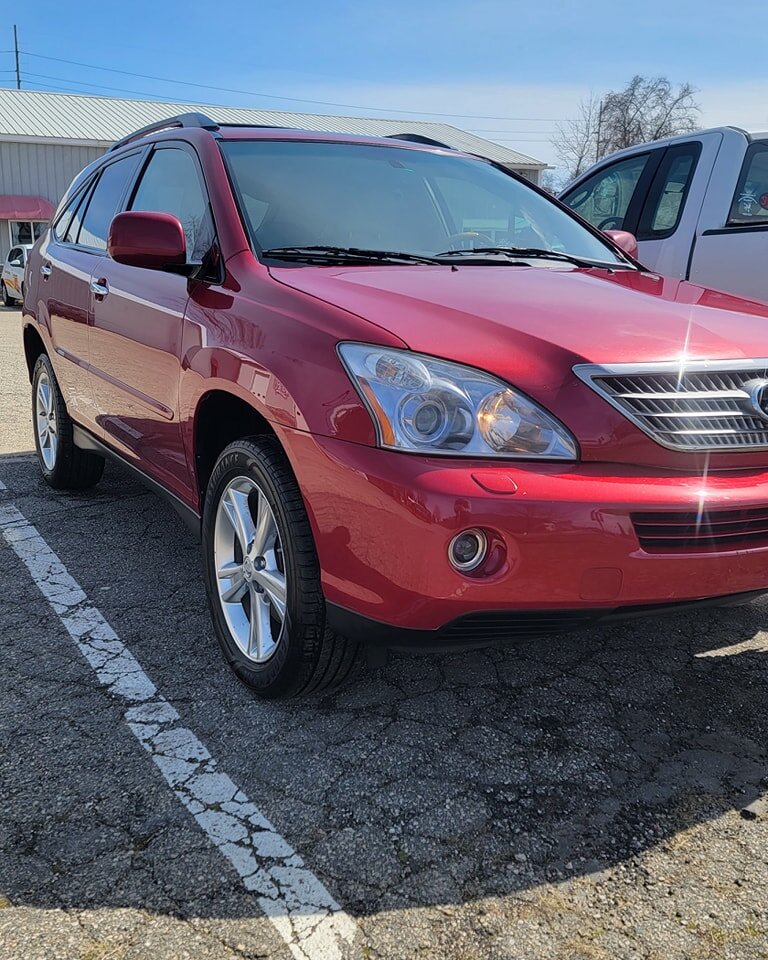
305 656
63 465
8 300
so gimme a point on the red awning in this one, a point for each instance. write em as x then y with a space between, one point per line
25 208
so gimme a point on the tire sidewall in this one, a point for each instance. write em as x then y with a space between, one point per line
284 672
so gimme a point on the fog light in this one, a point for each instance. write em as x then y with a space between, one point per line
468 550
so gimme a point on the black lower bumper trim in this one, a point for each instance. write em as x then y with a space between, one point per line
499 626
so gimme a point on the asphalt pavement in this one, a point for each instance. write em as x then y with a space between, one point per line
596 796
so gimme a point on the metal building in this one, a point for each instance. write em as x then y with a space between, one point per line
46 138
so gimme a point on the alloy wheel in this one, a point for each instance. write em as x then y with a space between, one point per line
46 424
250 569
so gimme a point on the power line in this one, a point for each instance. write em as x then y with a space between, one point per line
101 86
272 96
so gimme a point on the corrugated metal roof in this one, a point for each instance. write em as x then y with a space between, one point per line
32 113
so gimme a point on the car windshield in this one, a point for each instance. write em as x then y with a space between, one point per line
301 194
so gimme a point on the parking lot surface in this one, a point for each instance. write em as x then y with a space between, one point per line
598 795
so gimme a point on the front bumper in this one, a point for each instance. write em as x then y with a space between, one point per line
383 522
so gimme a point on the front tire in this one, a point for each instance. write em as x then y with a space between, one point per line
8 300
63 465
262 576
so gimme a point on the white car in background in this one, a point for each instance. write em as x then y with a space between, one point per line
12 277
698 205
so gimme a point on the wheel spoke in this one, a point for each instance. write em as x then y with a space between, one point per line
266 530
45 390
238 585
260 637
52 426
273 583
238 513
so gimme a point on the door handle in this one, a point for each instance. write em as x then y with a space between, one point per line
100 287
46 270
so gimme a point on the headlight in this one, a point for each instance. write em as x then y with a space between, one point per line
431 406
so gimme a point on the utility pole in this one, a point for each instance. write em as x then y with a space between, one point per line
16 50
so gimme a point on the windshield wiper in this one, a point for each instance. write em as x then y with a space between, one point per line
531 253
329 254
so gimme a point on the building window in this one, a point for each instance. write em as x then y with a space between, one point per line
26 231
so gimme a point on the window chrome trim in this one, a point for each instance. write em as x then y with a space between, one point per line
588 372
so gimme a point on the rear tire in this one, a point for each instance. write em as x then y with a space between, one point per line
8 300
253 490
63 465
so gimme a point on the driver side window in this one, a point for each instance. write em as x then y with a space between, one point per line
171 184
604 198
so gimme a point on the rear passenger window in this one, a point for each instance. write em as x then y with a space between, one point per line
105 201
666 198
604 198
750 202
171 184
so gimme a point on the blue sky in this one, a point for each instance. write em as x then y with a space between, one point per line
524 64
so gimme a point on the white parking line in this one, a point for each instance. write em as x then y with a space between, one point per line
305 914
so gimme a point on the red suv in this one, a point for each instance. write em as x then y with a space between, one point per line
403 395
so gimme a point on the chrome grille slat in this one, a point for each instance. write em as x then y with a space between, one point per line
698 406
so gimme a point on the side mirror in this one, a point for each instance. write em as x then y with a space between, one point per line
155 241
625 240
15 263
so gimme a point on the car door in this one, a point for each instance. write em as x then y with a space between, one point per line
731 251
138 314
612 197
667 224
68 258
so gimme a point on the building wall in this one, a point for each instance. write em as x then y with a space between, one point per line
39 170
42 169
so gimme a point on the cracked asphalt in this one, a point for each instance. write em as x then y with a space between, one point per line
597 796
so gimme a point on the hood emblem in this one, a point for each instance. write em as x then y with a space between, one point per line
758 397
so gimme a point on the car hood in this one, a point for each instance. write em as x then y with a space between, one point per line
531 325
478 313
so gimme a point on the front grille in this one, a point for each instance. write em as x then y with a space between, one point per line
688 531
699 407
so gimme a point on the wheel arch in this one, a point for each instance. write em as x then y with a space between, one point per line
220 418
33 347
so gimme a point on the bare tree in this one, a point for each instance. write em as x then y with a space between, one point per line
576 140
648 108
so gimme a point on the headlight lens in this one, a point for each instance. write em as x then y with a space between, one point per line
423 404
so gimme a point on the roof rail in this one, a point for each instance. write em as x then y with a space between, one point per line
418 138
198 120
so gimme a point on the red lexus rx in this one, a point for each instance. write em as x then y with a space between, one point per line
403 396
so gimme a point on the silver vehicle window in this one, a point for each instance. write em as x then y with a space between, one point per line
750 201
604 198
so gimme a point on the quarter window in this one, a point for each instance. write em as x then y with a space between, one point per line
104 203
750 202
604 198
171 184
62 227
